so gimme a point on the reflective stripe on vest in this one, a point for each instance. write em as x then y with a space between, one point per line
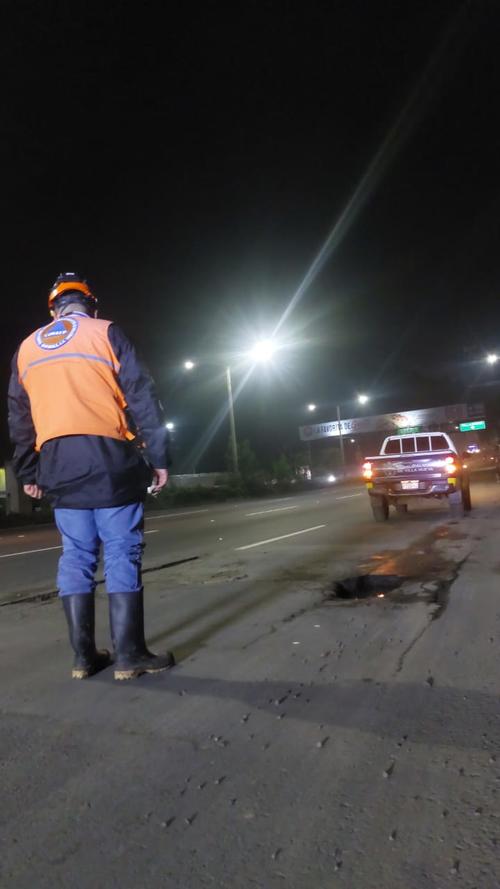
68 355
69 370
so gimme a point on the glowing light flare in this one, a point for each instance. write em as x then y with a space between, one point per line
170 426
492 358
189 365
367 470
263 351
432 78
311 407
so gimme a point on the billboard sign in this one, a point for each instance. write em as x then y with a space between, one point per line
392 424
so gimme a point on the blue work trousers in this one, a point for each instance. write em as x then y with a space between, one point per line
120 529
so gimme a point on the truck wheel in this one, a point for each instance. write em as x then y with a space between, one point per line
466 501
456 506
380 508
401 508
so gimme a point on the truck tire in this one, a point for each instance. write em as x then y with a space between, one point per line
380 508
401 508
456 506
466 500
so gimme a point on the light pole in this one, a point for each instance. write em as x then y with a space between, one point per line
341 440
261 352
361 399
232 421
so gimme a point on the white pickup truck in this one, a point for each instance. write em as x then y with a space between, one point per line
422 465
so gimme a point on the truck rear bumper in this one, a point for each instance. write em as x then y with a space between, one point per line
436 488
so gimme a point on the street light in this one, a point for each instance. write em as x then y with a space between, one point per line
170 426
361 399
492 358
261 352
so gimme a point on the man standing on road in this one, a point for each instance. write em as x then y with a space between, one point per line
75 385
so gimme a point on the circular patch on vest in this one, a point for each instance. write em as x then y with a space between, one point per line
57 334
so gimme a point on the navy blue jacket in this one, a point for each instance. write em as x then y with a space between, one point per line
91 471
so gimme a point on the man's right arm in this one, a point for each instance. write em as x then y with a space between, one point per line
21 429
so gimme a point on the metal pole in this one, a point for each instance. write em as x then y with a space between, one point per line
342 454
232 424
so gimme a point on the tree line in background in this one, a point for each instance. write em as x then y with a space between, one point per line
283 473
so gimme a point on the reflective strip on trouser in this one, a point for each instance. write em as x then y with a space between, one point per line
120 529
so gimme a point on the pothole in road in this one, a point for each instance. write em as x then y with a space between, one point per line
365 586
395 589
423 572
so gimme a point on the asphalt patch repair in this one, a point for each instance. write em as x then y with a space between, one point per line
416 574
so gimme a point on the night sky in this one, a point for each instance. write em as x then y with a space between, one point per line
192 163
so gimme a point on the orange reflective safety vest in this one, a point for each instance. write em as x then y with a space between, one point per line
69 371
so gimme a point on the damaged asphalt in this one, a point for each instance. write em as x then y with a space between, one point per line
305 740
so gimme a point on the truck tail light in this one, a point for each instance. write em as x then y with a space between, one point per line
450 464
367 470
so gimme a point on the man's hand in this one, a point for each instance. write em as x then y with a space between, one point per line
33 491
160 478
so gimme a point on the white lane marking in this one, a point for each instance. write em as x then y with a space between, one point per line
45 549
274 509
281 537
28 552
348 496
273 500
174 515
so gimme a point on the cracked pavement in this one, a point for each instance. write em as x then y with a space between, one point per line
304 741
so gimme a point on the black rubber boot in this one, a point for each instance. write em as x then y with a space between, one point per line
132 657
80 614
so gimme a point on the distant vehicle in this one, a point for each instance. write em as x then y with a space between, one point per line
422 465
324 477
477 459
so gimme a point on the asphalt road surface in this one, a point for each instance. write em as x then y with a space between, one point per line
28 557
303 741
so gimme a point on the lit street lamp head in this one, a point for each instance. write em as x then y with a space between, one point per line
169 426
363 399
311 407
492 358
189 365
262 351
